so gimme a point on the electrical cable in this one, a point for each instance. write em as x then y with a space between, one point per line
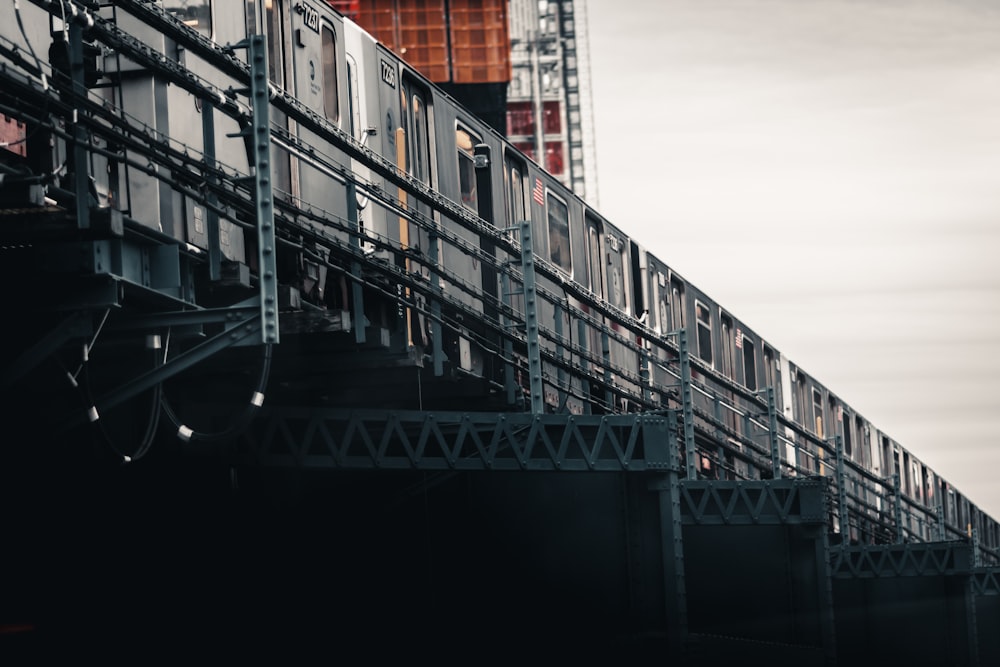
187 434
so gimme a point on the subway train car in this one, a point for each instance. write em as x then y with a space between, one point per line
417 249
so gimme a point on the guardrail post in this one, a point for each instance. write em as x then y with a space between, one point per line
531 319
772 428
687 405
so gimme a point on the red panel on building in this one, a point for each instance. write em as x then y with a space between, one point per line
349 8
526 147
423 37
480 41
551 117
554 157
13 133
457 41
520 119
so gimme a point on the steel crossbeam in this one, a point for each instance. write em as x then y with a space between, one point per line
901 560
785 501
986 581
337 438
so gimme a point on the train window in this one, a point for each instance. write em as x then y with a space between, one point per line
274 24
331 101
195 14
727 346
848 437
353 98
801 398
662 304
558 218
419 157
638 281
677 319
467 168
595 265
617 291
771 373
514 176
864 437
704 318
275 69
818 412
745 343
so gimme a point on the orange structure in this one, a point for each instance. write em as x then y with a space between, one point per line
449 41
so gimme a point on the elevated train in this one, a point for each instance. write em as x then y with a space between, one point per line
399 209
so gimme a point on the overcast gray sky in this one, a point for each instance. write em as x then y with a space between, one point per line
828 171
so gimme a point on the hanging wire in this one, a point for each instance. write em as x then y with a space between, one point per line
186 433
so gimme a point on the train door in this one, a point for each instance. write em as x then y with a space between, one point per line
595 260
638 281
317 61
362 121
678 306
726 358
275 24
703 323
416 122
818 428
515 185
617 289
727 365
747 351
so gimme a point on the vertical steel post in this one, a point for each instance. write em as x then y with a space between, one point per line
508 345
687 405
897 507
842 510
606 356
581 335
531 319
560 353
644 373
720 435
359 322
673 546
81 180
261 133
940 522
436 343
211 216
772 431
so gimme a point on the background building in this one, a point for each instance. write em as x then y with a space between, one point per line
461 45
549 104
520 65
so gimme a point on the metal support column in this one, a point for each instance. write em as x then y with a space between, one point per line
437 344
561 383
81 176
606 356
261 140
211 216
357 294
644 373
772 433
673 546
687 405
508 345
897 507
842 511
581 336
826 608
720 437
531 319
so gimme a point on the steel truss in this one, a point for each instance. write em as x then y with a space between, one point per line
353 439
